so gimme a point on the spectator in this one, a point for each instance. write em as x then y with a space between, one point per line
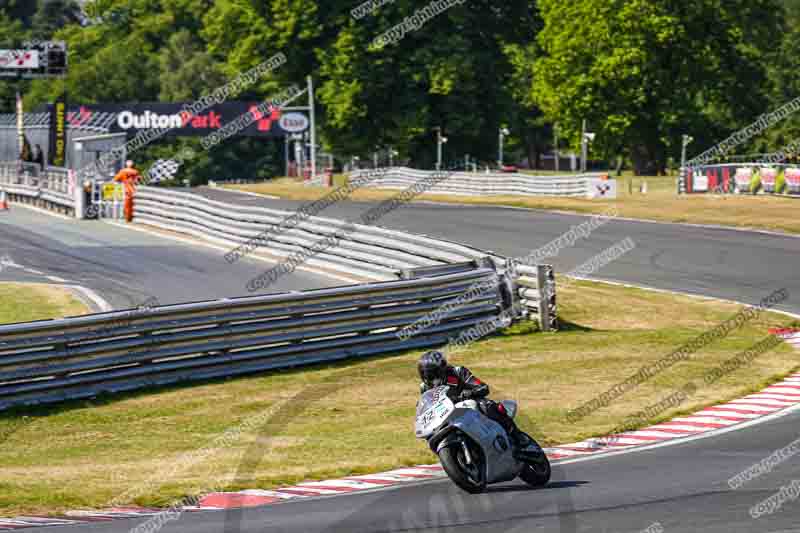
26 155
38 156
129 177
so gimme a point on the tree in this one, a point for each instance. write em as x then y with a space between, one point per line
643 73
52 15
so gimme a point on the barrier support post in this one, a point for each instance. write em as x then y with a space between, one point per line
80 196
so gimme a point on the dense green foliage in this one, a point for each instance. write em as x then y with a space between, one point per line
641 72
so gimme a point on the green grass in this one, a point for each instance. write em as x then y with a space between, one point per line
357 416
23 302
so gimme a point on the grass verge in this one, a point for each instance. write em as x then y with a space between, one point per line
23 302
661 203
356 417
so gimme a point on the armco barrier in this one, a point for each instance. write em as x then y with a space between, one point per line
474 184
536 286
81 357
368 252
51 188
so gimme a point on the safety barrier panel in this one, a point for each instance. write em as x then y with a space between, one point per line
81 357
52 188
365 252
536 286
359 250
472 184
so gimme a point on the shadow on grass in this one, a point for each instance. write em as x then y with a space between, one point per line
528 328
24 413
566 325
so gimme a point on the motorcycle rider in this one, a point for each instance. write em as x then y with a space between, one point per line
435 371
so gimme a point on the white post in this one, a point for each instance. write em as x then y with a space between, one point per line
584 150
78 194
312 116
500 150
555 144
438 148
286 154
20 124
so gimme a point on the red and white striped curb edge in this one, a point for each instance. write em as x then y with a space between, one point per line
768 401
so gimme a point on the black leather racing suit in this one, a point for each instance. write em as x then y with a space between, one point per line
465 386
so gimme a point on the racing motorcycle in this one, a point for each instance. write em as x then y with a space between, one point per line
473 449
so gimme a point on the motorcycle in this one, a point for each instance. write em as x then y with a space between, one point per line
474 450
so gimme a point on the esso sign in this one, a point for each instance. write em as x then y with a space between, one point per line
294 122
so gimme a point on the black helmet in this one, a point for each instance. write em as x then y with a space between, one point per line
432 368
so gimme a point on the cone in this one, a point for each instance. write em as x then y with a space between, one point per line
3 201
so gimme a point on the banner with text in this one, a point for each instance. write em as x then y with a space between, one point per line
135 117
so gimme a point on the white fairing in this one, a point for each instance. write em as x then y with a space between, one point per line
432 410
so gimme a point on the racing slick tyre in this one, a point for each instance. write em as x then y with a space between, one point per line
536 473
469 477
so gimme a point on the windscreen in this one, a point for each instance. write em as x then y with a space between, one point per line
429 398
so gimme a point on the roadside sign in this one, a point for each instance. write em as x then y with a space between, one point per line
113 192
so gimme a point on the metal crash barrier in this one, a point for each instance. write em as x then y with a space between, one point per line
81 357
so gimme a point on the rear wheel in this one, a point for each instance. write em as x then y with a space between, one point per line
468 476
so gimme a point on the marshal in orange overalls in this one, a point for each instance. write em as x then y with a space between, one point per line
129 177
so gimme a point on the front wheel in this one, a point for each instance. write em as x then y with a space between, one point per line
536 473
468 476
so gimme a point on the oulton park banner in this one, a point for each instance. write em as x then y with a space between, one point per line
142 116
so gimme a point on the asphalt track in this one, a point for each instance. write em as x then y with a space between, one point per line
126 267
724 263
681 487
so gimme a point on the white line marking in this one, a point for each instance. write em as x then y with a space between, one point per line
745 405
56 279
702 419
103 305
563 452
270 196
287 490
655 433
781 398
43 211
264 493
667 291
690 438
693 429
764 399
729 414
